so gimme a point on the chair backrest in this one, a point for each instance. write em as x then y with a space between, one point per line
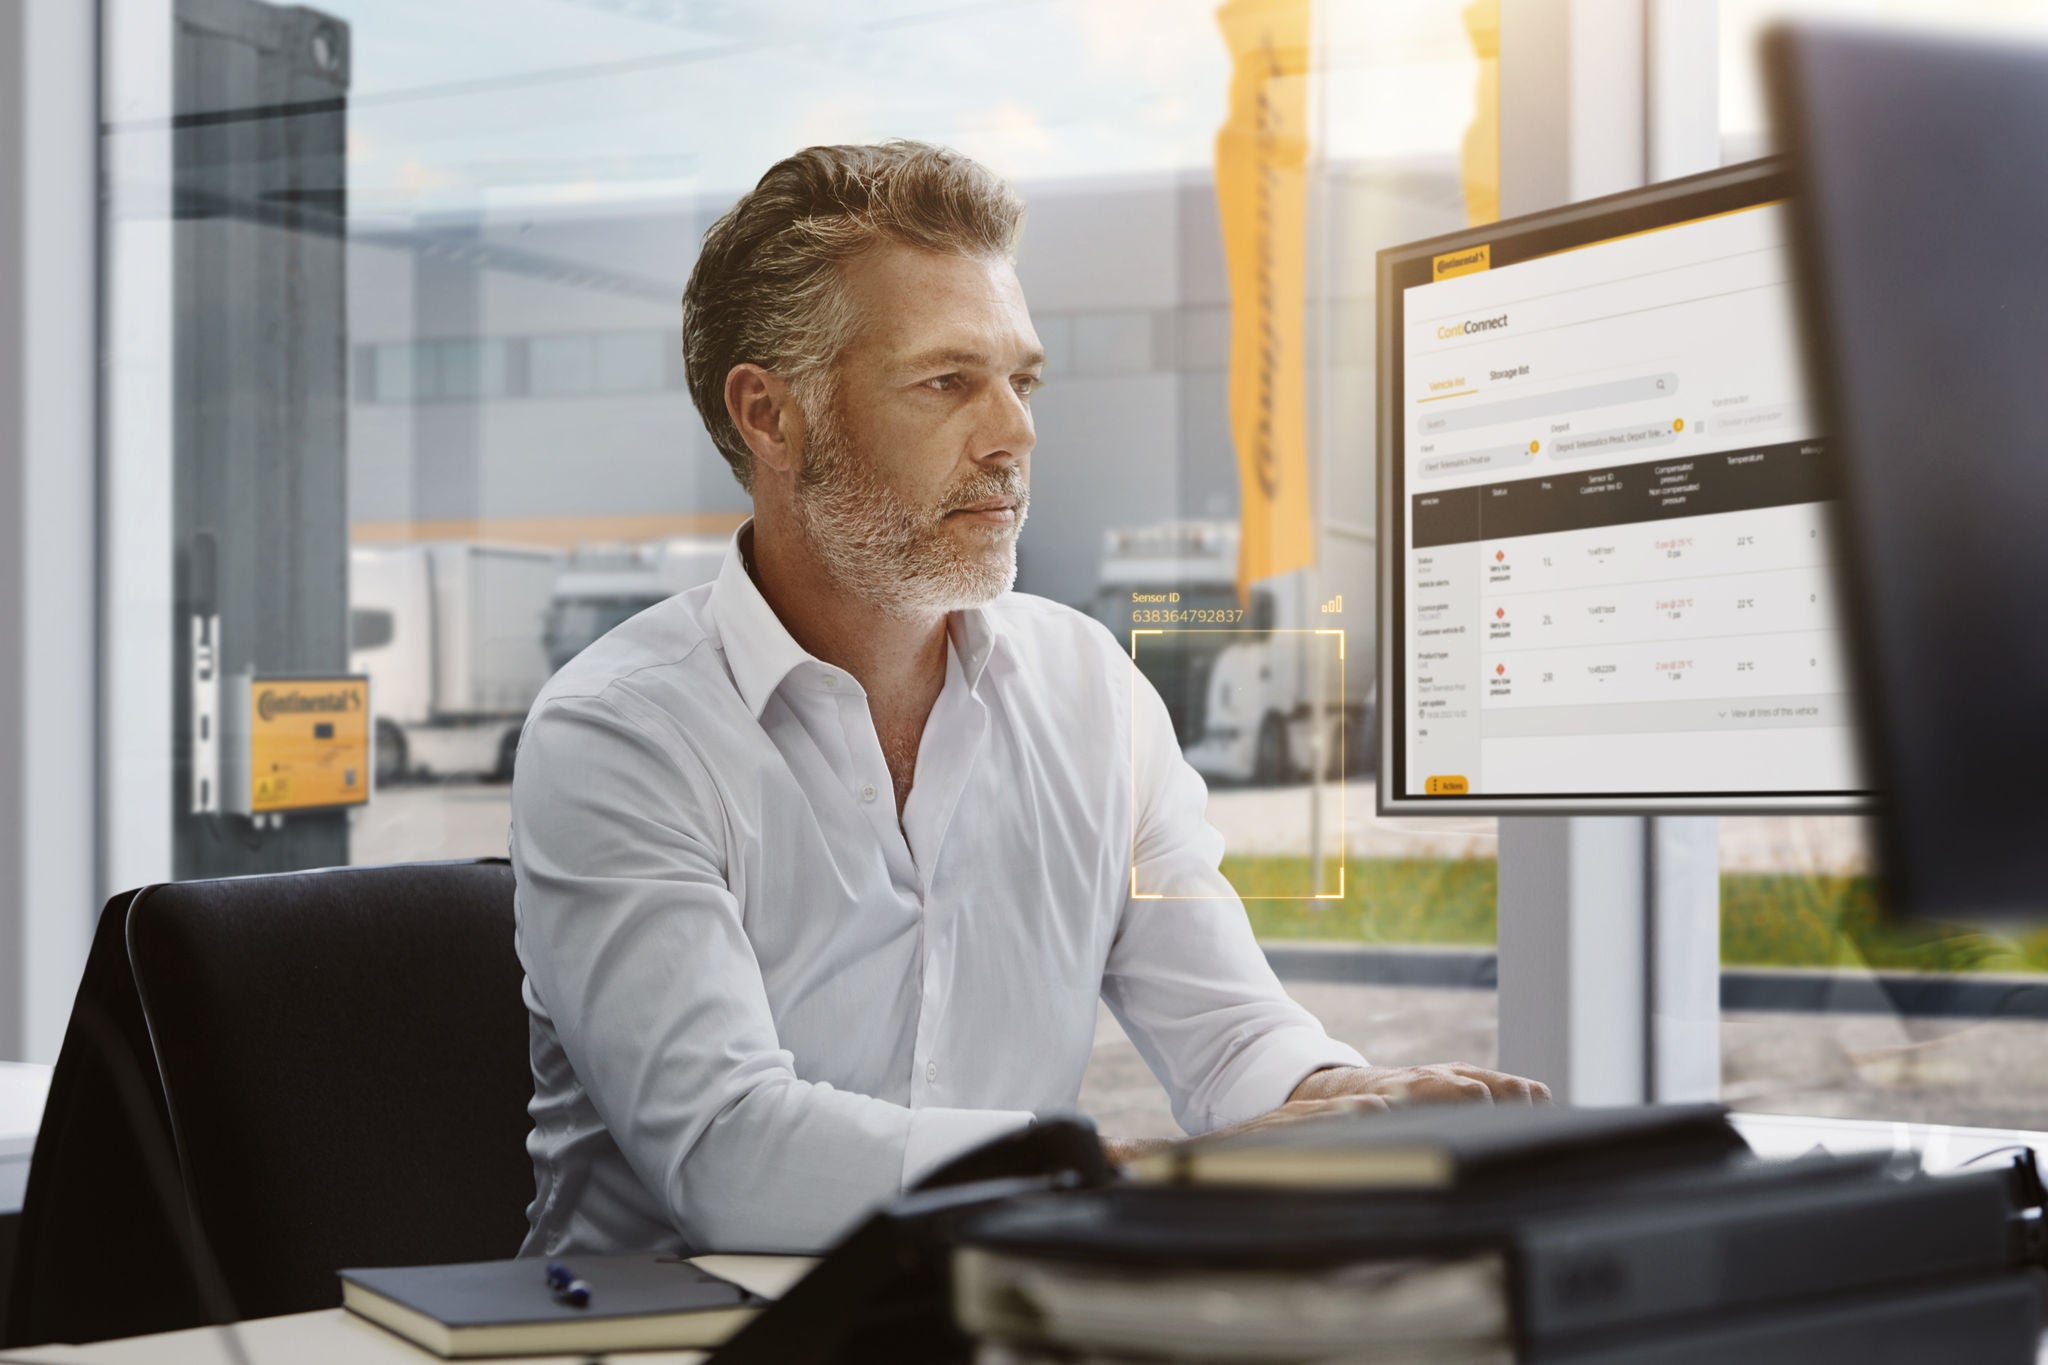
342 1057
104 1198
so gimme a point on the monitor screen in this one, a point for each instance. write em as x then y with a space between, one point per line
1605 522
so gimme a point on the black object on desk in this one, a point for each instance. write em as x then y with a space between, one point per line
567 1286
1557 1269
1920 206
1704 1256
884 1294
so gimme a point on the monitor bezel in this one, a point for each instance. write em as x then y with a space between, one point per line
1669 202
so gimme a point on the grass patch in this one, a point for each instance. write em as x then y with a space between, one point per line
1386 900
1794 920
1767 920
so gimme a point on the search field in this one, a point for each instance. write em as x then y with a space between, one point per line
1535 405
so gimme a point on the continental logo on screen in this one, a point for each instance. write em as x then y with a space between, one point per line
1466 262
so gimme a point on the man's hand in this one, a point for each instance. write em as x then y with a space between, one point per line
1444 1083
1123 1150
1365 1089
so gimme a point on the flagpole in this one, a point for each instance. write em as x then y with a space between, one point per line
1313 645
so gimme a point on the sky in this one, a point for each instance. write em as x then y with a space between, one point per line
477 106
500 104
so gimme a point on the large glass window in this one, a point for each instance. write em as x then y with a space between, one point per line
1829 1007
394 291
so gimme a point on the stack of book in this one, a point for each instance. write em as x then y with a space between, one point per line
1454 1236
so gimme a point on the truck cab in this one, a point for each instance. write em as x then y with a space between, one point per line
1242 689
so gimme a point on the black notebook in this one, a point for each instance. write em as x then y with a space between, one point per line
637 1303
1450 1146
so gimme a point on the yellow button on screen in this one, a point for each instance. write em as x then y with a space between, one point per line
1446 786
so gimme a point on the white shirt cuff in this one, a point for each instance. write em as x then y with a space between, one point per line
1269 1069
939 1135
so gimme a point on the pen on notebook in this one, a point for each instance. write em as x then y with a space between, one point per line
568 1289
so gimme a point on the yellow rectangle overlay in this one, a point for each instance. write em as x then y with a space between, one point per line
1467 261
1336 635
309 743
1446 786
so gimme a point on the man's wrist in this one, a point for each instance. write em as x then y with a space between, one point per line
1316 1085
1123 1151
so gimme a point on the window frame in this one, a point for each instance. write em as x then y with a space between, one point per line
1609 954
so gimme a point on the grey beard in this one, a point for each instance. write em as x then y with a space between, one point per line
900 558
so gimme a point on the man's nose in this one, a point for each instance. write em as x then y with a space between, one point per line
1006 430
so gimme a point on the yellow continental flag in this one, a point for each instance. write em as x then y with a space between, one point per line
1479 158
1262 191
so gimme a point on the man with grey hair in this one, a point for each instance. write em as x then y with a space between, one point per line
823 867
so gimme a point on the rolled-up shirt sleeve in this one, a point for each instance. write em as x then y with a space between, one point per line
633 941
1185 975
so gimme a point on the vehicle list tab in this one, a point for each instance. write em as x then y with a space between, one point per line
1691 486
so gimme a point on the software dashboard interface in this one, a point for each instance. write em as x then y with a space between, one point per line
1614 534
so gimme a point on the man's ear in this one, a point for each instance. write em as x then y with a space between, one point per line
763 408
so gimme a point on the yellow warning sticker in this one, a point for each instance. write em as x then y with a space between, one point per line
309 743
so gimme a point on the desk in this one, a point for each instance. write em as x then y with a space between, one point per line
335 1336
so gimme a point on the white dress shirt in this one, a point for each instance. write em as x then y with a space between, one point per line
760 1006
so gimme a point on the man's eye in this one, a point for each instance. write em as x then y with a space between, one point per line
943 382
1028 384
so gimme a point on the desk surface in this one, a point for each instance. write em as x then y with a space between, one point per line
332 1336
23 1088
335 1336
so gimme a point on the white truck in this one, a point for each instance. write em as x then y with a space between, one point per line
450 634
1242 691
602 585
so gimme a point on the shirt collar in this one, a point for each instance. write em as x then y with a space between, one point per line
977 640
761 652
758 648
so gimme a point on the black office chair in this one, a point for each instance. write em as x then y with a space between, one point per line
337 1058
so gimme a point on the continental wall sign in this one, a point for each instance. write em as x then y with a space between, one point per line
309 743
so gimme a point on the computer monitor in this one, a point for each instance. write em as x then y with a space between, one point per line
1604 539
1922 206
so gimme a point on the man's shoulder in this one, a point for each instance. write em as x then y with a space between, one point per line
670 645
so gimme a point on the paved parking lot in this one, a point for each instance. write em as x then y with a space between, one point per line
1979 1073
1983 1073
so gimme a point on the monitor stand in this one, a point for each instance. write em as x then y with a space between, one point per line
1610 962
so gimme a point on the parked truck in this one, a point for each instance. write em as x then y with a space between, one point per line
1242 690
603 585
451 636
